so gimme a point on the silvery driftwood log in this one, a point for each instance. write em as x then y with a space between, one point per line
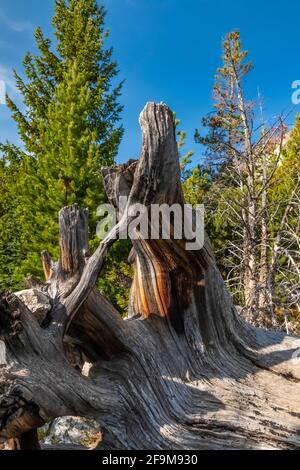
182 371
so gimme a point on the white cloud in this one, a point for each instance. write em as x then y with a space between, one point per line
6 75
16 25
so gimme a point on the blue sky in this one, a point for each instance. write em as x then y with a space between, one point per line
168 50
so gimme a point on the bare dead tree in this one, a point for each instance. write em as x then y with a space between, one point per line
287 246
183 371
249 158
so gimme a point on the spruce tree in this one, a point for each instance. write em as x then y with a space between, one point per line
69 129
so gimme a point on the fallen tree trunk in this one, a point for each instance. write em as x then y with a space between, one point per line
183 371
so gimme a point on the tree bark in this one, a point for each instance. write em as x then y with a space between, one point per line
183 371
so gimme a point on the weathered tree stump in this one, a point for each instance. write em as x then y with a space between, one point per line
183 371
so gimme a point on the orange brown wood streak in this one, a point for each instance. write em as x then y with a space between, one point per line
47 265
142 302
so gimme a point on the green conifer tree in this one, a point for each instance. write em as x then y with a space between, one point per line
69 129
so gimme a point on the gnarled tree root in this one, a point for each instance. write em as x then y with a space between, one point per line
183 371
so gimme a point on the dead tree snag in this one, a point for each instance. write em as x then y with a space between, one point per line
183 371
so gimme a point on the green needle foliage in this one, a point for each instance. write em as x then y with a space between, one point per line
69 126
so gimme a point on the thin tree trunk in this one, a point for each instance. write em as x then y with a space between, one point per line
250 268
264 291
183 371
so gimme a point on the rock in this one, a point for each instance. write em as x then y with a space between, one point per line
86 369
37 302
63 447
71 430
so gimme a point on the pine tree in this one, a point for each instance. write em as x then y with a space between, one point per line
253 200
230 153
10 231
284 229
70 128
